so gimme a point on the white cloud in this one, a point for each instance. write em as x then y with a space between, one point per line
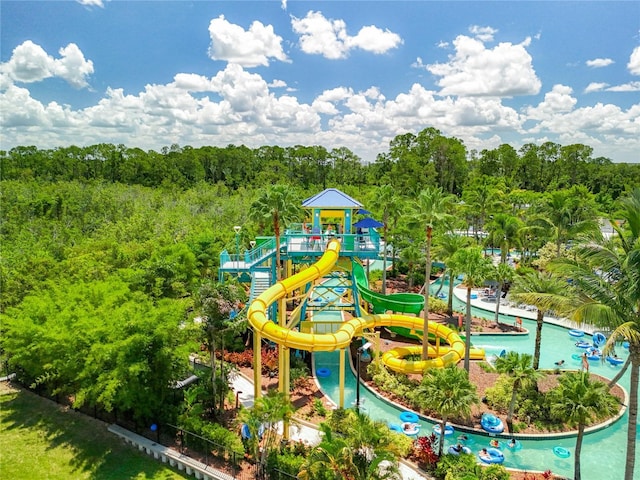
504 71
599 62
484 34
249 48
634 62
283 4
329 38
91 3
627 87
595 87
30 63
558 100
236 106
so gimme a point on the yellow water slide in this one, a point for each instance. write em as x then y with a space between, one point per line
341 338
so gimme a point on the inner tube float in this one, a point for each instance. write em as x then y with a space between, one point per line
495 444
394 427
583 344
614 360
322 372
491 423
448 430
453 451
410 429
561 452
598 339
409 417
514 446
576 333
493 455
594 354
576 356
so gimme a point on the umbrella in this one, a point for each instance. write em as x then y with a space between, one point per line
362 211
368 223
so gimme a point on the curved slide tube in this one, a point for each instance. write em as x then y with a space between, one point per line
341 338
396 302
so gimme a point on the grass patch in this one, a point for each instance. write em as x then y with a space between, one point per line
39 439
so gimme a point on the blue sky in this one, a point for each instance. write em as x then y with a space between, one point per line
334 73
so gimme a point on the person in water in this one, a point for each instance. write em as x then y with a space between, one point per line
457 447
494 443
512 443
484 454
559 363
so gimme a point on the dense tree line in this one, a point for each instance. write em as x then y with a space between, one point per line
413 162
106 249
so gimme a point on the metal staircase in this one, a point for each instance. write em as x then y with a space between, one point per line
260 281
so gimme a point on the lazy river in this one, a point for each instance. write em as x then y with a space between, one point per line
603 451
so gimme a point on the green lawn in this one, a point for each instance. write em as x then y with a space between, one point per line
39 439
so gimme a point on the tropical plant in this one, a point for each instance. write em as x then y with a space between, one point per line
518 367
475 269
353 447
568 214
445 247
388 203
546 292
579 400
449 393
429 209
267 412
503 232
279 204
502 274
219 305
606 277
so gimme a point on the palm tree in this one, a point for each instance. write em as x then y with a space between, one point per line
503 231
217 303
568 213
544 291
449 392
519 368
267 412
475 269
411 255
279 204
607 279
429 209
386 201
578 400
502 273
445 247
359 448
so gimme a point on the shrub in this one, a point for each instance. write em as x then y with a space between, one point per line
318 408
424 451
288 460
227 440
499 395
495 472
437 305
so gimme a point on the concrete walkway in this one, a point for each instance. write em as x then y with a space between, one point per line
305 432
522 311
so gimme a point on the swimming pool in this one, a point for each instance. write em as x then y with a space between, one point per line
603 452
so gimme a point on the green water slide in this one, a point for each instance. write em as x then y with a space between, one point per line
396 302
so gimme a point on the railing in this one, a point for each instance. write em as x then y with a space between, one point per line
310 243
303 244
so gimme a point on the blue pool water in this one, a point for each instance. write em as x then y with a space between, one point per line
603 452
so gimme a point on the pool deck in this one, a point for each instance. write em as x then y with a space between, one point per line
522 311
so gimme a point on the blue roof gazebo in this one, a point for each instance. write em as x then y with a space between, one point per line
330 204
